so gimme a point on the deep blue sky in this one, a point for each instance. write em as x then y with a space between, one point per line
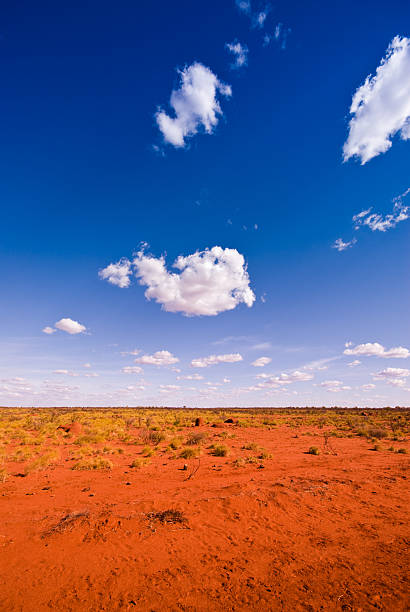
81 186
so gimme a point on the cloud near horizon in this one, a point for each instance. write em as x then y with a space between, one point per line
204 362
374 349
160 358
195 105
381 106
209 282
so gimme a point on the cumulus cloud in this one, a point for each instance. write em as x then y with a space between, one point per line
65 372
334 385
48 330
132 370
160 358
354 363
285 378
261 362
393 376
195 105
374 349
240 53
70 326
190 377
208 282
368 386
381 106
339 245
117 273
204 362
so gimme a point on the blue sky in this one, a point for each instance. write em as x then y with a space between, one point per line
251 161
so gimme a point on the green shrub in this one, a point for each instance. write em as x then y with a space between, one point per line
220 450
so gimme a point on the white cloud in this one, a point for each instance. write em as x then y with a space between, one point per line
70 326
226 380
354 363
91 375
204 362
132 370
393 376
209 281
342 246
285 378
117 273
381 106
48 330
382 223
334 385
170 387
160 358
374 349
244 6
368 386
86 365
240 53
260 18
195 105
261 362
190 377
65 372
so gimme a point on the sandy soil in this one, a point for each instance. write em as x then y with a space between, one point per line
304 532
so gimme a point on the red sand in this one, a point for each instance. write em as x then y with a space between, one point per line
305 533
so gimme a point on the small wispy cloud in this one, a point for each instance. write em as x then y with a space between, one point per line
240 53
340 245
378 221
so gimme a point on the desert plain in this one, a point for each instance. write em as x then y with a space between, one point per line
225 509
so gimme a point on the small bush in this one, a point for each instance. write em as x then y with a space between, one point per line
42 462
138 463
402 451
3 474
94 463
251 446
265 455
175 443
147 451
220 450
313 450
189 453
196 438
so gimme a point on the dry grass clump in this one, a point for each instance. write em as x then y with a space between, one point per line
402 451
147 451
42 462
175 443
252 446
93 463
170 517
139 463
219 450
313 450
189 453
149 436
3 474
67 522
196 439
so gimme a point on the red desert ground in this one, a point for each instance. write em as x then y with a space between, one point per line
151 510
